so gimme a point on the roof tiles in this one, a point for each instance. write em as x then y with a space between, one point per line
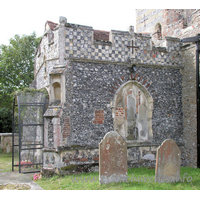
101 35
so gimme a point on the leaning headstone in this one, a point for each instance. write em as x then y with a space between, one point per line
112 158
168 162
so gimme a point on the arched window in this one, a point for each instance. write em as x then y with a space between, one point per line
132 112
57 91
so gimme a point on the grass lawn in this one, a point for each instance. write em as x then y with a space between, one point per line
90 181
138 179
5 162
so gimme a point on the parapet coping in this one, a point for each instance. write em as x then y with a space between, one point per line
102 42
83 60
187 46
143 35
119 32
78 26
147 144
172 38
70 25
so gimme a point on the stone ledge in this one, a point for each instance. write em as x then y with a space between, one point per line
163 65
96 61
5 134
187 46
127 63
129 145
161 49
52 111
81 162
148 144
69 25
76 169
75 147
143 35
56 71
172 38
50 150
120 32
101 42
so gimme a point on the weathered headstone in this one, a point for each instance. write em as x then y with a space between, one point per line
168 161
112 158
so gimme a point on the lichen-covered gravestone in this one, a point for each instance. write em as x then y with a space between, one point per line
168 161
112 158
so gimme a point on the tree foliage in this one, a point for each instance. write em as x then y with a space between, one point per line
16 72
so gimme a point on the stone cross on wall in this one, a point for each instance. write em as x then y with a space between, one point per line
132 46
132 55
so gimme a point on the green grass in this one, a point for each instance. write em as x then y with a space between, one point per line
5 162
66 182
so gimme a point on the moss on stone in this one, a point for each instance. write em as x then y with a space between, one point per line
69 168
30 90
47 173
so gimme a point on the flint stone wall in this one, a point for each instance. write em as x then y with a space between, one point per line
92 87
6 142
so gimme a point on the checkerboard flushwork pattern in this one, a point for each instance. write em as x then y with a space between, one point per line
80 44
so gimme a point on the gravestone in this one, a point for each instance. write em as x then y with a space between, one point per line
168 161
112 158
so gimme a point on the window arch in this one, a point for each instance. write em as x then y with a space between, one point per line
57 87
57 91
132 112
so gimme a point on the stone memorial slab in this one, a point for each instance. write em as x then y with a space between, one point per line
112 158
168 162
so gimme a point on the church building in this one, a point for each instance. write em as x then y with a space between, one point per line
140 83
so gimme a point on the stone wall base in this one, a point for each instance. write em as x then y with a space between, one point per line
47 173
70 169
68 162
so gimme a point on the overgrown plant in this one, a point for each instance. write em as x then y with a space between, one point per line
17 72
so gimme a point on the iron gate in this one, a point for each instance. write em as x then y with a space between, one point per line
28 131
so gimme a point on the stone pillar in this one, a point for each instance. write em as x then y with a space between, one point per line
61 40
57 132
